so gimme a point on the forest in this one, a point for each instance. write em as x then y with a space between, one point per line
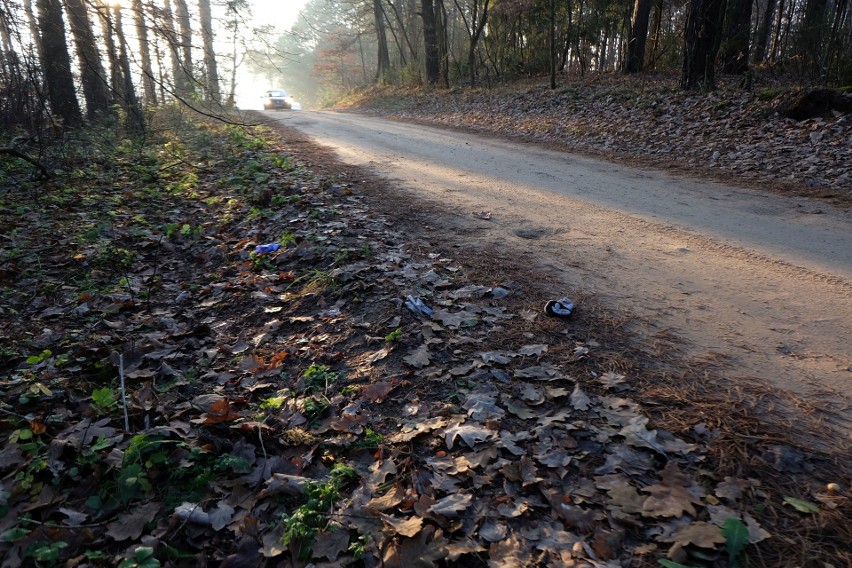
61 62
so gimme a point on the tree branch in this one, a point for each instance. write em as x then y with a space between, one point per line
18 154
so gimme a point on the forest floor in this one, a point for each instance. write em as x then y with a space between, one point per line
285 405
732 135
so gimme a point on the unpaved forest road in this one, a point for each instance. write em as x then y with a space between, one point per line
759 282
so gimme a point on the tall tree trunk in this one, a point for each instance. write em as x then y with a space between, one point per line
33 26
186 80
552 44
638 36
128 92
761 42
441 35
776 36
812 36
736 35
478 19
214 93
112 55
430 41
655 34
148 87
383 63
703 33
56 63
92 75
173 42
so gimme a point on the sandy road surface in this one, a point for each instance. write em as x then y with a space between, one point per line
759 282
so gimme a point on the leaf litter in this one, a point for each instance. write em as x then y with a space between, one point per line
267 426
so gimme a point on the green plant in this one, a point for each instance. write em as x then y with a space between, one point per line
284 162
359 547
319 377
313 409
273 403
372 440
394 335
36 359
260 262
302 525
104 398
319 280
46 552
143 557
142 458
769 93
287 239
736 539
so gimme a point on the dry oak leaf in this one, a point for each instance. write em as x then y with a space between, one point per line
733 488
704 535
403 527
451 505
130 525
376 392
423 551
673 496
418 358
389 500
579 399
461 547
221 516
411 430
519 409
330 544
471 434
508 553
625 499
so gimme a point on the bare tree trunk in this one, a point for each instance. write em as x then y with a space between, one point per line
776 37
703 32
128 91
93 77
655 35
762 40
736 35
56 63
552 44
383 63
168 33
33 25
185 81
441 35
812 35
148 87
638 36
112 55
430 41
214 93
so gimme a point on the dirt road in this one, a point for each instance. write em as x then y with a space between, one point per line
758 283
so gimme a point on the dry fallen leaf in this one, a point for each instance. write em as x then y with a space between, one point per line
389 500
452 505
131 524
673 496
699 533
579 400
470 433
418 358
404 527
